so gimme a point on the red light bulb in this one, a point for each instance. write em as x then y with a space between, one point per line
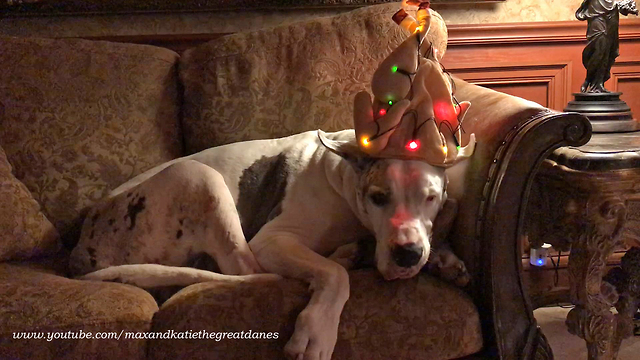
413 145
383 112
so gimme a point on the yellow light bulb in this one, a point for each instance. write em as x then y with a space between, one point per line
365 141
445 150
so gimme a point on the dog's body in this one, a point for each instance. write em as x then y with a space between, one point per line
293 200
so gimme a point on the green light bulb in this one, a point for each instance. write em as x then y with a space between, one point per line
394 68
390 102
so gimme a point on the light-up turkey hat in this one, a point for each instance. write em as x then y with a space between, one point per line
414 114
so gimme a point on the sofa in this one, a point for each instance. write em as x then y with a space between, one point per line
80 117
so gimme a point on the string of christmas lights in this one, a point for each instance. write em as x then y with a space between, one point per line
414 143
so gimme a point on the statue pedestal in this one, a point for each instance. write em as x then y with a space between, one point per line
606 111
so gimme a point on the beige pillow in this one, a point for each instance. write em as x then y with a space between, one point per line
289 79
24 230
82 117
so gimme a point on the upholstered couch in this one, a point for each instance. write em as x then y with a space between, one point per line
78 118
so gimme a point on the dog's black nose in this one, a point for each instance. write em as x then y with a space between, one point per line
407 255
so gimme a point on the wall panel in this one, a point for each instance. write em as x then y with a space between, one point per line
541 62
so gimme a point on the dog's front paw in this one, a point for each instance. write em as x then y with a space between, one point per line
346 255
448 266
315 335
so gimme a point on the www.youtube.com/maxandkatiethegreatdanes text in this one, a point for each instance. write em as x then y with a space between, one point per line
146 335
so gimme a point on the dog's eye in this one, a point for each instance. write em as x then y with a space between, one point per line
379 199
430 198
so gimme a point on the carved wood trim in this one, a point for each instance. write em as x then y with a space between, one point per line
530 142
496 50
625 68
556 76
530 33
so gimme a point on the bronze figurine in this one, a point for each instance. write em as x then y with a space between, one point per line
602 34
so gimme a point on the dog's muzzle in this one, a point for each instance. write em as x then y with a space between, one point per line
407 255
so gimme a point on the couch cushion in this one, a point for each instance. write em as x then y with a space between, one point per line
419 318
281 81
24 230
78 118
43 303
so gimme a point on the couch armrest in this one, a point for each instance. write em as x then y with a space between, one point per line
39 302
514 136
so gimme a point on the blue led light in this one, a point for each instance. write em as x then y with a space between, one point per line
540 262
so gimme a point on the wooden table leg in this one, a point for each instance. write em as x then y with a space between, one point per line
626 282
591 319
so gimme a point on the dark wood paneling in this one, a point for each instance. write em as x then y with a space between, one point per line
541 61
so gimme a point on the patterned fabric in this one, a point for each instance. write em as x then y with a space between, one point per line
289 79
78 118
35 301
24 230
419 318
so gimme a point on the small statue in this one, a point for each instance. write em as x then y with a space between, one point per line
602 34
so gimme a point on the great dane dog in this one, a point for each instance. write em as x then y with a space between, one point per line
266 207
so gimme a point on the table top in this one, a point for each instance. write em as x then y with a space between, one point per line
604 152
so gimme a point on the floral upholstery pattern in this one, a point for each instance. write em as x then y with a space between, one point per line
419 318
78 118
37 301
24 230
286 80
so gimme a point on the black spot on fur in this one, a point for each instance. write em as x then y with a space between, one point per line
261 190
133 209
181 221
129 194
95 218
91 235
111 221
179 234
115 230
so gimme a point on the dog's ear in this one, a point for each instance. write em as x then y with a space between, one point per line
348 150
444 221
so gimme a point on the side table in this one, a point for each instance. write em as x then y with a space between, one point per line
587 200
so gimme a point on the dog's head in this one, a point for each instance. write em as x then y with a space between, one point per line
398 200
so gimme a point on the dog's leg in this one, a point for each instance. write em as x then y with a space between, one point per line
356 255
224 239
443 222
346 255
316 327
149 276
182 211
444 263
